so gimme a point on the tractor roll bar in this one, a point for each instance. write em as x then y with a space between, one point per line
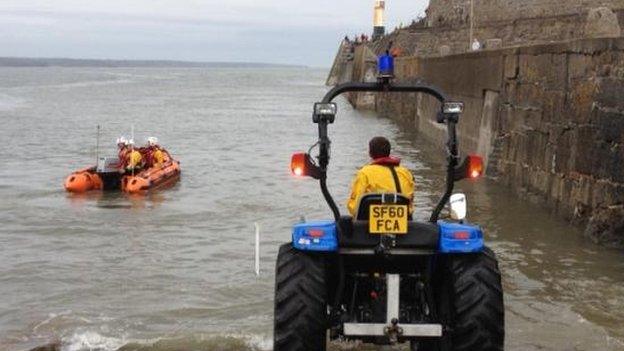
384 85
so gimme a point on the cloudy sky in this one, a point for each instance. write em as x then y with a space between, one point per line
278 31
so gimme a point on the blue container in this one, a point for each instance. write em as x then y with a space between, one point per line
460 238
385 65
319 236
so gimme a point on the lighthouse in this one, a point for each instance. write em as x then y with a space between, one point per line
379 29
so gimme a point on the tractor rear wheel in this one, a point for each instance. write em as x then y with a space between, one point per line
470 303
300 320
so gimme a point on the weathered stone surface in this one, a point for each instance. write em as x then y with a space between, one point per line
511 67
607 225
602 23
444 50
514 22
549 119
493 44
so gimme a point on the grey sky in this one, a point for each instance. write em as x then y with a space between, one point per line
280 31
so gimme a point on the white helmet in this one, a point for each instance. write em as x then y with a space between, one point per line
152 141
130 142
122 140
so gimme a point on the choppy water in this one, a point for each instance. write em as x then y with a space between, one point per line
174 270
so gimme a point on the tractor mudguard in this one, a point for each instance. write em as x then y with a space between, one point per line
460 237
320 236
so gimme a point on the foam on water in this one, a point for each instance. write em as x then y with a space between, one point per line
9 103
90 340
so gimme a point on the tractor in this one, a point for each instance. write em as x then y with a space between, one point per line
380 277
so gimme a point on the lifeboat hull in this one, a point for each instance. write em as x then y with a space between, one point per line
151 178
83 180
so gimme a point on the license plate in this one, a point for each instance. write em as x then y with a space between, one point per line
388 219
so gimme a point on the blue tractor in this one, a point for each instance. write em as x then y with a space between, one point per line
380 277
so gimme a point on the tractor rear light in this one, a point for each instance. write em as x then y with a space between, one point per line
471 168
319 236
297 164
461 235
301 165
475 166
316 233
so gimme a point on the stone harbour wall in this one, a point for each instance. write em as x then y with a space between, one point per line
505 23
549 120
454 13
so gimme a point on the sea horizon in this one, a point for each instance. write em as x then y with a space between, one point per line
10 61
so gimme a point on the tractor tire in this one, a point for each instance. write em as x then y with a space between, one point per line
471 303
300 319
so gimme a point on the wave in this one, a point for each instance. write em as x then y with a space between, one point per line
88 83
93 341
9 103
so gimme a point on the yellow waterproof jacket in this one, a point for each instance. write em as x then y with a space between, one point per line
135 159
158 157
377 178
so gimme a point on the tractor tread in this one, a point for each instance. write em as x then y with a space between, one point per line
300 321
478 303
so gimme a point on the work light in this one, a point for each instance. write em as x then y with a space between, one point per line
325 111
453 107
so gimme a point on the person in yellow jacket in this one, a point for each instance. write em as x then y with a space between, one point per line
134 159
377 176
155 154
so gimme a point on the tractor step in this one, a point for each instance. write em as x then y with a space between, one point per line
406 330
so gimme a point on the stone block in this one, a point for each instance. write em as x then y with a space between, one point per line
444 50
556 189
610 93
584 157
581 195
579 66
493 44
606 226
511 66
602 23
607 161
505 119
563 152
553 107
528 95
581 99
610 125
546 69
528 119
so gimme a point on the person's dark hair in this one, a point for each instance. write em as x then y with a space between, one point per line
379 147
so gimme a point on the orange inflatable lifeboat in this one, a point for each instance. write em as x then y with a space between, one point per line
106 176
151 178
84 180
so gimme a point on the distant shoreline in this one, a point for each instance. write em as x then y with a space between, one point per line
68 62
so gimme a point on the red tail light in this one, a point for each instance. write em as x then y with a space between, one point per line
461 235
475 166
316 233
297 164
301 165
